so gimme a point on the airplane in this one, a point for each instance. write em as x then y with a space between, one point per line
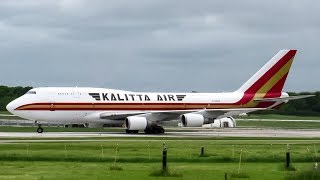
147 111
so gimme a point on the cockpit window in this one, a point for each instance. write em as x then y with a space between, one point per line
31 92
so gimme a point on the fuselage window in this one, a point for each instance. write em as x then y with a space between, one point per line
31 92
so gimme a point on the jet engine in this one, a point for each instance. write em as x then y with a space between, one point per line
136 123
192 120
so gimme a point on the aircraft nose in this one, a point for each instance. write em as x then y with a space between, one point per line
10 107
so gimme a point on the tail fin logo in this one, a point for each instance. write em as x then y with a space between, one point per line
270 79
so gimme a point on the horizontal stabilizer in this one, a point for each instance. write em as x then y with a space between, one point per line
283 99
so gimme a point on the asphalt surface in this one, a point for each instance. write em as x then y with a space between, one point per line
228 132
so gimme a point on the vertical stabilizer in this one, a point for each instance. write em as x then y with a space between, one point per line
270 79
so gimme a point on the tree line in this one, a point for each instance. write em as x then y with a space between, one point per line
309 106
7 94
301 107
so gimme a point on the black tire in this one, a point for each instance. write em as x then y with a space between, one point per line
148 131
154 130
161 130
132 131
128 131
40 130
158 130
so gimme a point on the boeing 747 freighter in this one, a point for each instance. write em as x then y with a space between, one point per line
146 111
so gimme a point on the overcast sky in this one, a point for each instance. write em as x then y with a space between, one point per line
156 45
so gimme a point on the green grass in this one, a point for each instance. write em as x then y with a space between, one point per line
279 124
178 151
140 158
5 112
305 174
66 170
11 118
280 117
8 117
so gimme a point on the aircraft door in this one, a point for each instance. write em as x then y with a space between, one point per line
52 106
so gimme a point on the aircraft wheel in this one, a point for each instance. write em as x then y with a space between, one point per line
158 130
154 130
132 131
40 130
148 131
161 130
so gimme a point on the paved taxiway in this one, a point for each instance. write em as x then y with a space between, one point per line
230 132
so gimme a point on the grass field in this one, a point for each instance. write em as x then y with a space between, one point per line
139 157
76 170
279 124
67 170
279 117
5 112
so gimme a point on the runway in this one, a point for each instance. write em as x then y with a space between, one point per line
199 133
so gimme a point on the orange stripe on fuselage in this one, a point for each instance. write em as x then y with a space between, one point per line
123 106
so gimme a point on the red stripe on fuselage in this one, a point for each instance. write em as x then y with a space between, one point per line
117 106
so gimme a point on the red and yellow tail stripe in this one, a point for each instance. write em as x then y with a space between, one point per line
270 84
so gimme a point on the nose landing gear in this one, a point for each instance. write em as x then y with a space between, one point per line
40 129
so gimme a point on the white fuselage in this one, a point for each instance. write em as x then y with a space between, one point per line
85 105
142 110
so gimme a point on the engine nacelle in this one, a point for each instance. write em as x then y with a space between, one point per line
136 123
192 120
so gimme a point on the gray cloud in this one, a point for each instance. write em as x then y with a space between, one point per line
155 45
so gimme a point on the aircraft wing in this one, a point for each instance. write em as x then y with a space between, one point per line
282 99
158 116
222 113
155 114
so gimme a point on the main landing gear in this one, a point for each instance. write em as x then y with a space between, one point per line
156 129
132 131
